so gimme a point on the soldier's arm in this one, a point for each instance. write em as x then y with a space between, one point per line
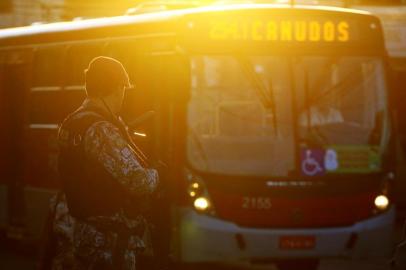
104 143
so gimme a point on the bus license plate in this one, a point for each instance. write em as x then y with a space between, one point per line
297 242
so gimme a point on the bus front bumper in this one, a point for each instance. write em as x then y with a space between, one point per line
208 239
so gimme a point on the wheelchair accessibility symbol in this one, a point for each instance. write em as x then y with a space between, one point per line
313 162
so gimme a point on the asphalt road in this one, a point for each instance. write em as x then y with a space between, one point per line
13 260
10 260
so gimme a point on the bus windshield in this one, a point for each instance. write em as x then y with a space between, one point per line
254 115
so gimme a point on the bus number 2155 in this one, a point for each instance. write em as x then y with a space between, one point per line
260 203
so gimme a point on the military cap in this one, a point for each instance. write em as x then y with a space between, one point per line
103 75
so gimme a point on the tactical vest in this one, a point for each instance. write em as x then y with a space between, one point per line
89 188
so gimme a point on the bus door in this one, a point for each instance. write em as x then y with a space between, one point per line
172 94
45 103
15 72
170 128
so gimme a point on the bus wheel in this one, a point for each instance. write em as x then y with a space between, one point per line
302 264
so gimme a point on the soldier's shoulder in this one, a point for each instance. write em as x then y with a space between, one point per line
80 119
103 128
103 132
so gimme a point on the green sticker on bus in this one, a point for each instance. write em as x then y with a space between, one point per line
353 159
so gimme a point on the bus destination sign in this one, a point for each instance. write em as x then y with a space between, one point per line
282 30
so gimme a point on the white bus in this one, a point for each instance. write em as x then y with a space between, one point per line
274 121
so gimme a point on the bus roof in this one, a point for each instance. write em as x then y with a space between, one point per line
60 27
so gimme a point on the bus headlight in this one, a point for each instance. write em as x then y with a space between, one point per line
198 194
381 202
201 204
195 189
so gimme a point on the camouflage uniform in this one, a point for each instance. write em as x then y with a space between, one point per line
90 243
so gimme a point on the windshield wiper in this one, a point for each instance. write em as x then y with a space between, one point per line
344 85
267 100
199 147
313 137
353 76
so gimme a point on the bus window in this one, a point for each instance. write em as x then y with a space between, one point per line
45 96
45 107
239 115
78 59
344 100
46 71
